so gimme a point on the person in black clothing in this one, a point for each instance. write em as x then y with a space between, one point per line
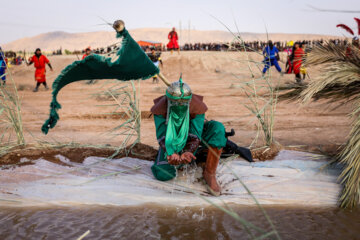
155 58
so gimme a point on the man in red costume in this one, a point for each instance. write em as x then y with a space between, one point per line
39 61
297 58
173 44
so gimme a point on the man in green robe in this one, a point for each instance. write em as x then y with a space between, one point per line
180 129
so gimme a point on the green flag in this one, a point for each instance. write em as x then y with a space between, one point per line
130 62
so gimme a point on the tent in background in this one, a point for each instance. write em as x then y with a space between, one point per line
145 44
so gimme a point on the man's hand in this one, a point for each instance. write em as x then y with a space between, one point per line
187 157
174 159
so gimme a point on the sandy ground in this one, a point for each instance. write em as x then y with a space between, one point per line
210 74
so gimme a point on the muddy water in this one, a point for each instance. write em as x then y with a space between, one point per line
160 222
47 200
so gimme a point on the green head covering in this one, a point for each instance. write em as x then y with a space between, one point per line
178 116
124 63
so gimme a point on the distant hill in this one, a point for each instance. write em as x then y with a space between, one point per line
77 41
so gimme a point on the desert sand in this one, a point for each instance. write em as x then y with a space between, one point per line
210 74
78 41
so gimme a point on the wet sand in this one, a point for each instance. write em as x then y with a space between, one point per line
159 222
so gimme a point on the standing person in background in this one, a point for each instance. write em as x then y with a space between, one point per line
354 43
303 70
288 50
173 38
271 55
39 61
155 58
2 68
87 52
297 58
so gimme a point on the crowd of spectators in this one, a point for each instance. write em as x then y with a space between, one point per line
252 45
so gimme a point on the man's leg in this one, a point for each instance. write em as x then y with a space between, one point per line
209 173
2 77
267 65
45 85
37 87
214 139
277 66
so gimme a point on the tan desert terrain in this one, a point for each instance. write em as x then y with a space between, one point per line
210 74
78 41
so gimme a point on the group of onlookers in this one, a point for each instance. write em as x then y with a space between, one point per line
294 62
296 55
253 45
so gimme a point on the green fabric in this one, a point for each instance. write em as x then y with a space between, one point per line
160 126
197 125
161 169
130 62
214 134
177 129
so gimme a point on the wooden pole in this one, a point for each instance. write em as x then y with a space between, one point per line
163 78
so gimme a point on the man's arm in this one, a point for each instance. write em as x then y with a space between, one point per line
50 66
160 126
29 62
194 138
48 63
197 125
195 132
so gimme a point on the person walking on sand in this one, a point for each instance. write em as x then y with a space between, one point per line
87 53
39 61
297 59
155 58
173 38
271 55
303 71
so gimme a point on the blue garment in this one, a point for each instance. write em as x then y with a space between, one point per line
2 70
270 52
272 62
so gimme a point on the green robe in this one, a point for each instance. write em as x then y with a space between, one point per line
211 133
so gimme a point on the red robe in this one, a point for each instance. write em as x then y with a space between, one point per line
85 55
298 56
173 37
40 70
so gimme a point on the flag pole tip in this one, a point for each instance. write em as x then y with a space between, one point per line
119 25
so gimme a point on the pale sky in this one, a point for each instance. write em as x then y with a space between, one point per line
26 18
